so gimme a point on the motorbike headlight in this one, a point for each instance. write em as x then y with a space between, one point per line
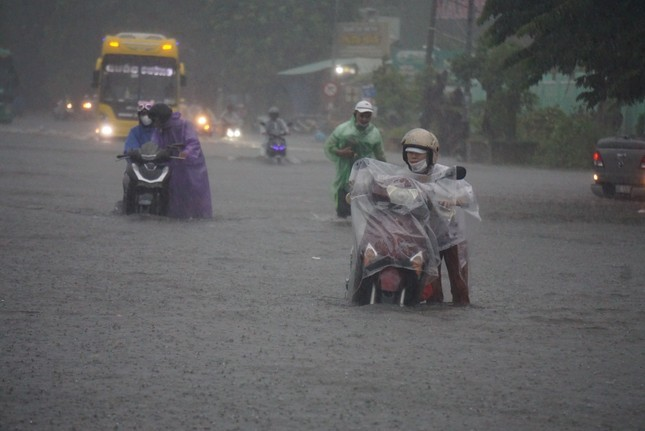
417 262
401 196
201 120
369 255
106 130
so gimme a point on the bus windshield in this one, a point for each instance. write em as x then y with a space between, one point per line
130 78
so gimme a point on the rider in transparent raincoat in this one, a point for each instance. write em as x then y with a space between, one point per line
420 152
397 217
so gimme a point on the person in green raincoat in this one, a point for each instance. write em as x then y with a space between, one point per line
350 141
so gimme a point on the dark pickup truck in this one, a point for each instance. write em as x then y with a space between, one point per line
619 167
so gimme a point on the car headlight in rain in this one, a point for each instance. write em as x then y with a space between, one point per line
202 120
233 133
87 106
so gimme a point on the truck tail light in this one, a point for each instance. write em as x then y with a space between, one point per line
597 160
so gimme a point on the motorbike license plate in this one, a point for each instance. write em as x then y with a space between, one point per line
623 189
145 199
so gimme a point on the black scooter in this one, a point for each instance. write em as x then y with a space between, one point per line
146 180
276 144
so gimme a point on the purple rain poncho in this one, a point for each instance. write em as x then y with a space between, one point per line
190 193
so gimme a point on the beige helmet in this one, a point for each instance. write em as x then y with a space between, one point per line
420 140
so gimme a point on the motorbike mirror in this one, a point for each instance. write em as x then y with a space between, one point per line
461 172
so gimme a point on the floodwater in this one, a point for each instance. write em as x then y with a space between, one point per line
240 322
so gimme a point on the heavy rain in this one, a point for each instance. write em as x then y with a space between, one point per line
244 320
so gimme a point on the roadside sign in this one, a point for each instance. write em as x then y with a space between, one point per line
330 89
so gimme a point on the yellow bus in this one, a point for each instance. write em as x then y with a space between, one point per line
134 67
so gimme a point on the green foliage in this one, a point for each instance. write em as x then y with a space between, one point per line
392 135
605 39
640 125
255 40
539 125
398 97
571 143
507 92
564 141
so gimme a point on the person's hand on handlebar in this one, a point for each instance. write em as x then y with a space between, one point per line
134 156
163 155
346 153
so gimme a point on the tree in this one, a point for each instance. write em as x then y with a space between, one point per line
397 96
254 40
506 88
604 40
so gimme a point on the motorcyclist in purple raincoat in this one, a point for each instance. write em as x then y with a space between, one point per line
189 194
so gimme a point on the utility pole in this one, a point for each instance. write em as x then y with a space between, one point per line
469 51
330 108
334 47
431 31
469 42
426 115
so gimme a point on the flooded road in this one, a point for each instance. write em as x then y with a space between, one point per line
240 322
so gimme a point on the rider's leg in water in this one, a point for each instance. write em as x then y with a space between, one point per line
433 292
456 261
457 265
343 209
128 193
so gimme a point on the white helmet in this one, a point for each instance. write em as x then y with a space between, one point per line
364 106
422 141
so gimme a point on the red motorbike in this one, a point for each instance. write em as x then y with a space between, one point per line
396 216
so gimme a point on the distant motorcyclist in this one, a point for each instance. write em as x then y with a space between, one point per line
64 108
352 140
275 126
230 118
420 152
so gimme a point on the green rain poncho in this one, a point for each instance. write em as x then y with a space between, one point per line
365 143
